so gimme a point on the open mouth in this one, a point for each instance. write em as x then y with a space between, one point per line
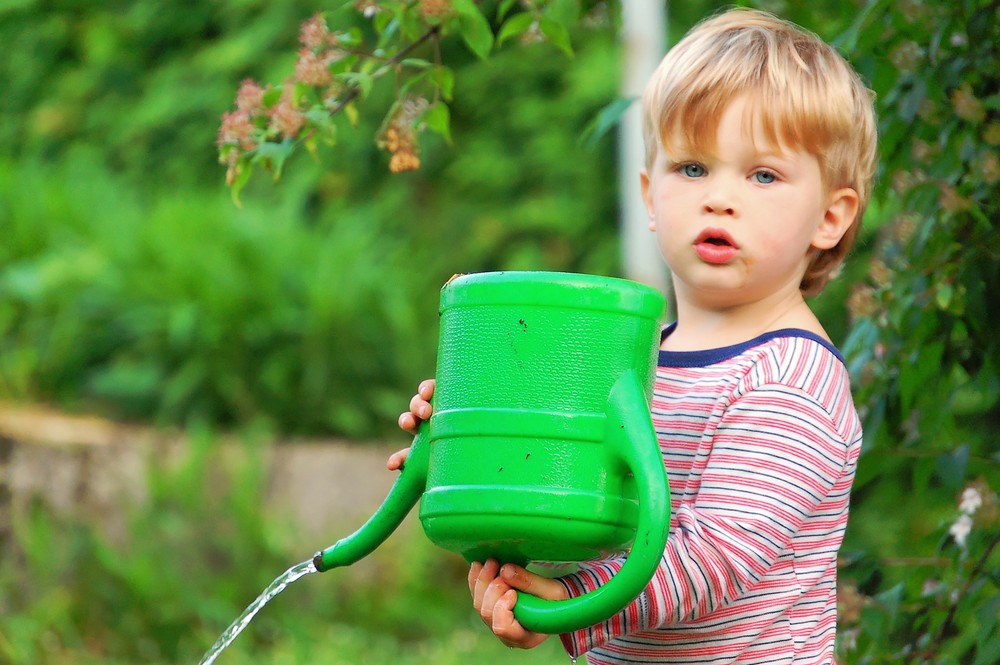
715 246
716 238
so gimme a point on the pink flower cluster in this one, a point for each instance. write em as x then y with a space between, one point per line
254 120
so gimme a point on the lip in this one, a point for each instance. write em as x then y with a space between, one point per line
716 246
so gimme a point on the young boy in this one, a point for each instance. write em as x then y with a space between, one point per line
760 150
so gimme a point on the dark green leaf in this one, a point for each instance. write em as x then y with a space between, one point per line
476 31
514 26
438 119
605 120
556 33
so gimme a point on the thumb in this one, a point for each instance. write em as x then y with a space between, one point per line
523 580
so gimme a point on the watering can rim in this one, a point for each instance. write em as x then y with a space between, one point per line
566 289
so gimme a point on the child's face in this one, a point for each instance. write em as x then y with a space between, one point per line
737 226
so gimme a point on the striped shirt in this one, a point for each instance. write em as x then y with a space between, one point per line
760 441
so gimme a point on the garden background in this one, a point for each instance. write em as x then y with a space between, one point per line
133 287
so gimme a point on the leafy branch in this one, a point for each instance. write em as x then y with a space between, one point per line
344 53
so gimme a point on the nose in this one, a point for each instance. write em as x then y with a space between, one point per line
719 199
716 204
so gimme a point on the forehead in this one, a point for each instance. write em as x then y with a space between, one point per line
751 120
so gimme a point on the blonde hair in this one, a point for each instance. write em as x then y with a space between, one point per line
806 95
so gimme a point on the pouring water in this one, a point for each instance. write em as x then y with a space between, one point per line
235 628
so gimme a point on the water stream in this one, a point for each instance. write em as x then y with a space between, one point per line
236 627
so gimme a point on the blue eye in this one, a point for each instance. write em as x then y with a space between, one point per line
764 177
693 170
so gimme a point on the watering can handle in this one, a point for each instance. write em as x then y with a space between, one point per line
402 496
631 431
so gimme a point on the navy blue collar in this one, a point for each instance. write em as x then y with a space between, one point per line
705 357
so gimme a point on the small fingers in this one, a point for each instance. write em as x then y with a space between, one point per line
397 459
407 422
426 389
474 571
487 573
503 623
420 407
523 580
492 594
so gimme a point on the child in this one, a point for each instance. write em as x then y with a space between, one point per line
760 150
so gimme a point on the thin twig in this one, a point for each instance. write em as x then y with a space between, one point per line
935 644
390 64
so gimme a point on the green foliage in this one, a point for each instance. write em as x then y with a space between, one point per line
311 309
923 344
145 81
186 308
344 54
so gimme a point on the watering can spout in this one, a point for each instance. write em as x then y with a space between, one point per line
403 495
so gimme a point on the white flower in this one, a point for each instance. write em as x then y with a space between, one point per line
971 500
960 530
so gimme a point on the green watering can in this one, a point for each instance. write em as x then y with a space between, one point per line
541 447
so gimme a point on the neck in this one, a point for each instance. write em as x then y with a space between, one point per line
704 324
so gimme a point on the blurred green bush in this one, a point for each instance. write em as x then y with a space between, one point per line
130 285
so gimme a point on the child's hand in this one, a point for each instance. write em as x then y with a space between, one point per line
420 409
494 594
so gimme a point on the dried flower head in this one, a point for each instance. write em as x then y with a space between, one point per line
312 69
880 273
250 97
921 150
992 133
400 138
911 9
907 56
285 118
436 9
950 200
904 228
928 111
989 167
966 105
315 35
236 130
862 302
850 602
403 147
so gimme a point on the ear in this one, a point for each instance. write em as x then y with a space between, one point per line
842 209
647 198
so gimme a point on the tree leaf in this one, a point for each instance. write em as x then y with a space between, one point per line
605 120
476 31
516 25
438 120
445 79
556 33
504 8
273 155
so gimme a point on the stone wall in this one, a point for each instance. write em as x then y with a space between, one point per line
94 469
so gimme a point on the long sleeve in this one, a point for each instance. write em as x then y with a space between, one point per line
759 488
